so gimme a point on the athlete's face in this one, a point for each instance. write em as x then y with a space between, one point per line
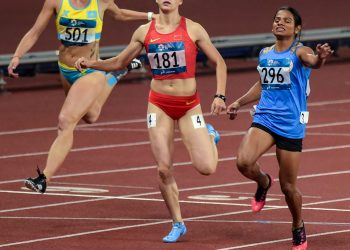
284 25
168 5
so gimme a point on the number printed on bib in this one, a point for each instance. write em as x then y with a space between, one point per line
167 58
77 31
198 121
151 120
275 73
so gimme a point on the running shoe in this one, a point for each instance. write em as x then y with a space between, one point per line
177 230
299 238
258 202
37 184
215 133
134 64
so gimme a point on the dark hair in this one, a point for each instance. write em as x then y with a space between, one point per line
297 18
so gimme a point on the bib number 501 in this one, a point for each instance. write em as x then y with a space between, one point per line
76 34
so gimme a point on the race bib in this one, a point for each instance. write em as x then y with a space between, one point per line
198 121
275 73
167 58
77 30
304 117
151 120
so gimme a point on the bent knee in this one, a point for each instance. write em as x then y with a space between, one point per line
289 189
164 173
93 114
66 121
244 163
207 169
90 118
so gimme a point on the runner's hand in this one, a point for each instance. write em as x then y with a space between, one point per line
232 110
12 66
81 63
324 50
217 106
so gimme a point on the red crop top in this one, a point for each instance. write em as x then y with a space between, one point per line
173 55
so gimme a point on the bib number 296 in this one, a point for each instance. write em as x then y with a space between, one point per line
272 75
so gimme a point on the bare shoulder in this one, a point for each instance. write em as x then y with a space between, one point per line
192 25
141 32
53 4
196 30
106 4
302 50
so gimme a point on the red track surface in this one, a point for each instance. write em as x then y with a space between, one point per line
113 156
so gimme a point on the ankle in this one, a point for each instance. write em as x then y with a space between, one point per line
298 224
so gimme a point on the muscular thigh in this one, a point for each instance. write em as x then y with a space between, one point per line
161 134
65 84
255 143
83 93
289 162
195 135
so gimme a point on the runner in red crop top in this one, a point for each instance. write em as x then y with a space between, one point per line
171 42
172 55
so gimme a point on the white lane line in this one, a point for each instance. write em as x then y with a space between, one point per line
34 130
118 228
283 240
330 124
142 143
138 196
163 222
119 145
81 234
99 185
273 195
318 223
79 218
321 223
329 134
52 205
175 164
145 130
133 121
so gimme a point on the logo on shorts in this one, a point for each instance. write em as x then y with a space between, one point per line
190 102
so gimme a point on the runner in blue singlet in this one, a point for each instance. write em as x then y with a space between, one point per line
281 114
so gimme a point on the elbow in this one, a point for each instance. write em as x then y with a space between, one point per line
117 65
221 64
121 18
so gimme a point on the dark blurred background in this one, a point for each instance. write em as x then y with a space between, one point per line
219 17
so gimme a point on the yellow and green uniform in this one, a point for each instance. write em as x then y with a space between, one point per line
78 26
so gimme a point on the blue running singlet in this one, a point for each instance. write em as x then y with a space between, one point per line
285 86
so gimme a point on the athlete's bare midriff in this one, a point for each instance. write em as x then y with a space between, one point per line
69 54
175 87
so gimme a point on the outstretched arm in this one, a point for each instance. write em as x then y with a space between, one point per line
125 14
309 59
31 37
252 95
120 61
203 41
